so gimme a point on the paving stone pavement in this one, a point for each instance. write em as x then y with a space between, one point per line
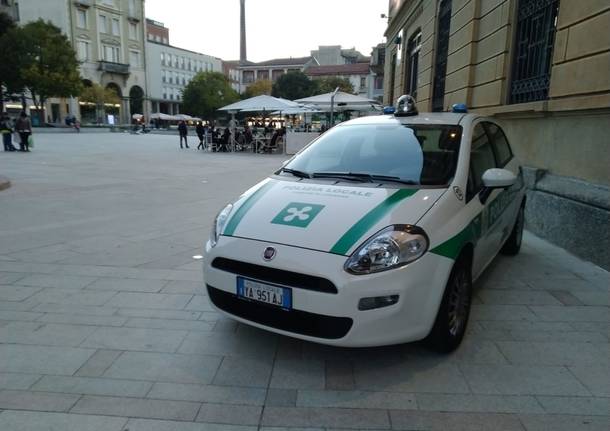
104 323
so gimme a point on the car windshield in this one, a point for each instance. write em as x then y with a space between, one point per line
408 154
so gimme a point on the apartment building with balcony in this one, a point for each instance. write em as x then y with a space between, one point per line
109 39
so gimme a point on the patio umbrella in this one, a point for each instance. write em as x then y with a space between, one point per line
260 103
324 100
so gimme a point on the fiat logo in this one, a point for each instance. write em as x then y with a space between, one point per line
269 253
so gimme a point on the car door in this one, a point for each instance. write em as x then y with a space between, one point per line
482 158
507 204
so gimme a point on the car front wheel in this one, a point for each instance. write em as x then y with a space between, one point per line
450 324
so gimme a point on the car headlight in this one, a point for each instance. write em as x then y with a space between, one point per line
389 248
219 224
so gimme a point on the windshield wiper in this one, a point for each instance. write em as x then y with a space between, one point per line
359 176
350 176
295 172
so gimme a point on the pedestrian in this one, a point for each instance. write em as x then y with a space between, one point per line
77 125
224 141
7 133
24 128
199 129
183 130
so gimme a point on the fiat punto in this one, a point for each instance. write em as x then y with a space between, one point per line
373 233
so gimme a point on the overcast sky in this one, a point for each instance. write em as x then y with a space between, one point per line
275 28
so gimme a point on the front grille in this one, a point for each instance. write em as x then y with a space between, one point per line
272 275
299 322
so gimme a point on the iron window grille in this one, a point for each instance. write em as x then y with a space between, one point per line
535 37
442 49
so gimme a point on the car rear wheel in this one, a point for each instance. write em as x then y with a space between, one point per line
450 324
513 244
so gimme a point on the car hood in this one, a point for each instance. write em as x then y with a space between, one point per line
334 218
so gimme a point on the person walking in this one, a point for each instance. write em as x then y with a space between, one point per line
200 131
24 128
7 133
183 130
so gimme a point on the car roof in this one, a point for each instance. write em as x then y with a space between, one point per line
431 118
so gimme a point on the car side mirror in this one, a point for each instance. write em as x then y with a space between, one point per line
496 179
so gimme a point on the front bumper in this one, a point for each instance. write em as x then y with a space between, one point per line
318 314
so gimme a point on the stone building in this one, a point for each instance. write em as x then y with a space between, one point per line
541 67
169 70
108 37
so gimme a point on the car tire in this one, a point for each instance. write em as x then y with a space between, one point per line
452 317
513 243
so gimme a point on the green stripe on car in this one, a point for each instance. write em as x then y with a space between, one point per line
453 246
245 207
369 220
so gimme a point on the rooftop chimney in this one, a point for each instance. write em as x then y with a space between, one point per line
242 28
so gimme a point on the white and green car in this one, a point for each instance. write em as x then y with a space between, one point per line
373 233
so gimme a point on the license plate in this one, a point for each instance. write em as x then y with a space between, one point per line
263 292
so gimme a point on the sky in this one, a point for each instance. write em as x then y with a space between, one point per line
274 28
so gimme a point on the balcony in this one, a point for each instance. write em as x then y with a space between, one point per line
83 3
118 68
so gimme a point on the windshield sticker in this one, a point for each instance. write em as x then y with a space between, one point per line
297 214
328 191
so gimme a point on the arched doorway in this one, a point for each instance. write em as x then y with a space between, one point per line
114 109
136 100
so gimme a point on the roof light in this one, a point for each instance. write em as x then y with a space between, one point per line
459 108
388 110
405 106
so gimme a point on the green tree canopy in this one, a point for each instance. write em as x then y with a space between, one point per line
11 49
207 92
263 86
293 85
326 85
51 68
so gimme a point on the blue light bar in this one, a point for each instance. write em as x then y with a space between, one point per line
459 108
388 110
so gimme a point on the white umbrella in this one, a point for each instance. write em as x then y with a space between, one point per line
302 109
161 116
260 103
323 100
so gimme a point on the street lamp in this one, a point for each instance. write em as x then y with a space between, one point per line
332 107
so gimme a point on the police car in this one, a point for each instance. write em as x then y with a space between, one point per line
372 234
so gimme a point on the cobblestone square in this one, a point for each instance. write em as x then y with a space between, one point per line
105 323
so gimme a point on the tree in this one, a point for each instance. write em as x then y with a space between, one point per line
99 96
327 85
263 86
207 92
51 68
293 85
11 80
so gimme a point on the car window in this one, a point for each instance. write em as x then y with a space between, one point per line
500 144
481 159
423 154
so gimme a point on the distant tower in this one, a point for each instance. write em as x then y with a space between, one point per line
242 28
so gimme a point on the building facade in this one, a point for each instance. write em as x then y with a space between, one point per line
250 72
157 32
541 69
108 37
169 70
358 74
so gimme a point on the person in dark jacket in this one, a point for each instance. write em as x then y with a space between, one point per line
183 130
7 133
24 128
224 140
199 129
